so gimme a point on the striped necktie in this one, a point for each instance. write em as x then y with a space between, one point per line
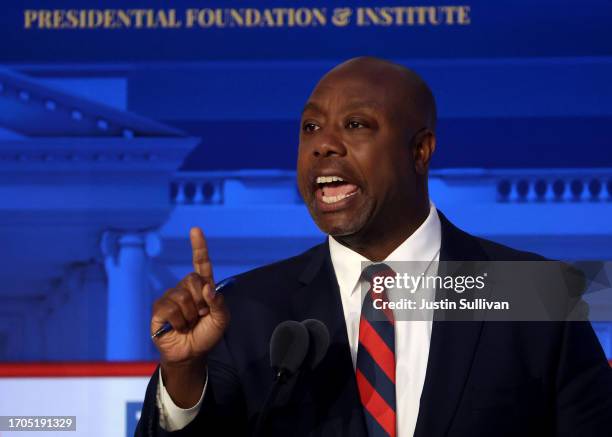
375 370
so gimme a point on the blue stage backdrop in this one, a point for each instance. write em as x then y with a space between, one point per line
124 123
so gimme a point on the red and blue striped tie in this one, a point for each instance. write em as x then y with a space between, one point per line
375 368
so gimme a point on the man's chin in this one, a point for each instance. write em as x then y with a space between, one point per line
338 229
341 223
340 233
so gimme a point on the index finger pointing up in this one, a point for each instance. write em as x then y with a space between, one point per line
201 261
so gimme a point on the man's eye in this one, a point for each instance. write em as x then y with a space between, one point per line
354 124
310 127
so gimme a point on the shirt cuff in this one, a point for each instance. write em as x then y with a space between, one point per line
171 417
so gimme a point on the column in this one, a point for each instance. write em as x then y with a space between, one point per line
126 260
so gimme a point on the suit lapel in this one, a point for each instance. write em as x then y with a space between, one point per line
318 296
452 347
333 383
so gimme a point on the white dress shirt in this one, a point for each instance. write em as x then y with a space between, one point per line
412 338
171 416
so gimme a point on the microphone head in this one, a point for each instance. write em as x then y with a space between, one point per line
319 342
288 347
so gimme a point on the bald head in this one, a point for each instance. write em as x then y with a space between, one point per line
407 89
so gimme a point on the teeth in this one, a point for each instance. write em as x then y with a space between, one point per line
328 179
338 198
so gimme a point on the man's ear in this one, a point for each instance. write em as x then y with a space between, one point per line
425 146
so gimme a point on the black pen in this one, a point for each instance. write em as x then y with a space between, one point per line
167 327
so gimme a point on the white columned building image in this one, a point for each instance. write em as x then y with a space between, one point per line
95 216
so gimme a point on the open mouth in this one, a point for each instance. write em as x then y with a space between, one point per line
334 189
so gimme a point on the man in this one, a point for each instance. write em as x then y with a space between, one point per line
367 138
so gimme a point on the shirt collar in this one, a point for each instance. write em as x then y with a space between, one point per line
423 245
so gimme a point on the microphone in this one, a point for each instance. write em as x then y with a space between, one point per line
288 348
293 345
319 342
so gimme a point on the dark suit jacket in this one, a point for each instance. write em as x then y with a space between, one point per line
482 378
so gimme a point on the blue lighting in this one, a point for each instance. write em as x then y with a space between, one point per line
522 188
558 188
595 187
102 124
503 188
576 187
109 132
540 188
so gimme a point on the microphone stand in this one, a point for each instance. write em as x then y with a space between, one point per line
281 378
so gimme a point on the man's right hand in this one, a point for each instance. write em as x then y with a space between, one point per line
199 318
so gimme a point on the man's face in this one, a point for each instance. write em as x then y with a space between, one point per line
355 166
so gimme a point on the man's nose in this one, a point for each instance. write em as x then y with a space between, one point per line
329 144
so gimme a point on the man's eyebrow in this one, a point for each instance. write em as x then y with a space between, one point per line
362 104
311 106
352 106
